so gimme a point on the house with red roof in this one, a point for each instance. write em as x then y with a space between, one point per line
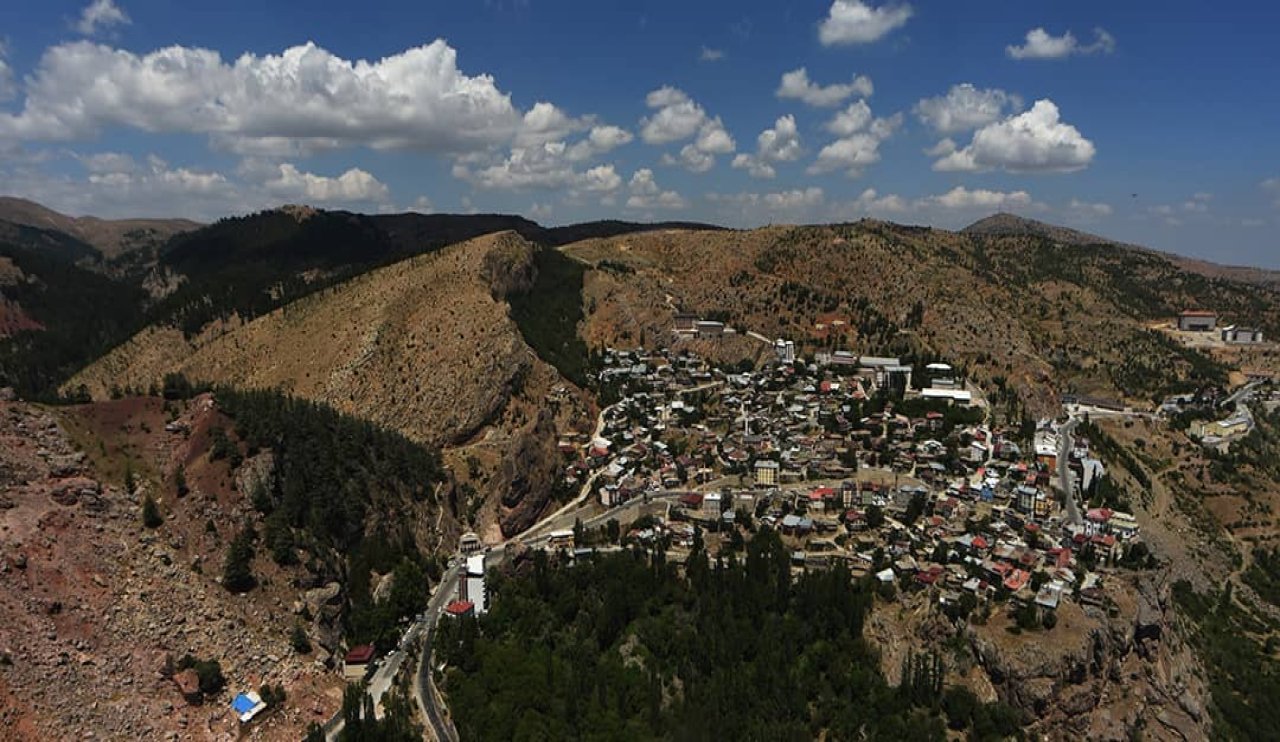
1019 579
460 609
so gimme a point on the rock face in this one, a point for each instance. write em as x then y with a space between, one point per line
527 475
255 471
1099 676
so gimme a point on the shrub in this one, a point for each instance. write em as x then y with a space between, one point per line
151 513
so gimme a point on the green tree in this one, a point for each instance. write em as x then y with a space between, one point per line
180 481
151 512
875 516
237 572
299 640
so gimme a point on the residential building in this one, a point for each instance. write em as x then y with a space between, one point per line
460 609
766 473
785 350
1194 320
357 662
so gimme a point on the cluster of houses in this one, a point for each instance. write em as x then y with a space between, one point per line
681 422
920 492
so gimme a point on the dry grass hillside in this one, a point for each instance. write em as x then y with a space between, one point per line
112 237
1044 317
424 346
1013 225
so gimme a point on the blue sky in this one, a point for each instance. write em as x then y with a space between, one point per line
1153 126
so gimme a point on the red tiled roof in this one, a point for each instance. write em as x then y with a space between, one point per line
459 607
1017 580
360 655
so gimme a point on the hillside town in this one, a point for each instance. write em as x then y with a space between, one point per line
888 468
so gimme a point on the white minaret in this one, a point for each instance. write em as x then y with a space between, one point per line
746 421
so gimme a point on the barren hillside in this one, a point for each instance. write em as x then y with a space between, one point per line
424 346
96 609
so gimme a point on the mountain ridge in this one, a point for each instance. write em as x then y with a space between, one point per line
1004 223
110 237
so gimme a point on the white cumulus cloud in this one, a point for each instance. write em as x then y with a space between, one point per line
646 195
857 22
542 166
965 107
416 99
870 202
859 142
353 186
600 140
781 143
1034 141
547 123
794 205
1040 44
960 198
710 55
796 84
678 117
690 158
100 15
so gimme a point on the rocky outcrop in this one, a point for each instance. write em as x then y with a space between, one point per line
1100 675
95 606
527 475
508 266
255 471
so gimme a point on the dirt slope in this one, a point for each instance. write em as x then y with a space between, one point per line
94 607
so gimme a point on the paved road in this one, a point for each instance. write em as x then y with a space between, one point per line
424 689
1241 394
383 678
1066 442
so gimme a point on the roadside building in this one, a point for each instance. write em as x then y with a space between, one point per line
562 539
1195 320
710 329
469 543
460 609
357 662
473 587
955 396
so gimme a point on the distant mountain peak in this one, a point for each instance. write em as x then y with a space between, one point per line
1004 223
